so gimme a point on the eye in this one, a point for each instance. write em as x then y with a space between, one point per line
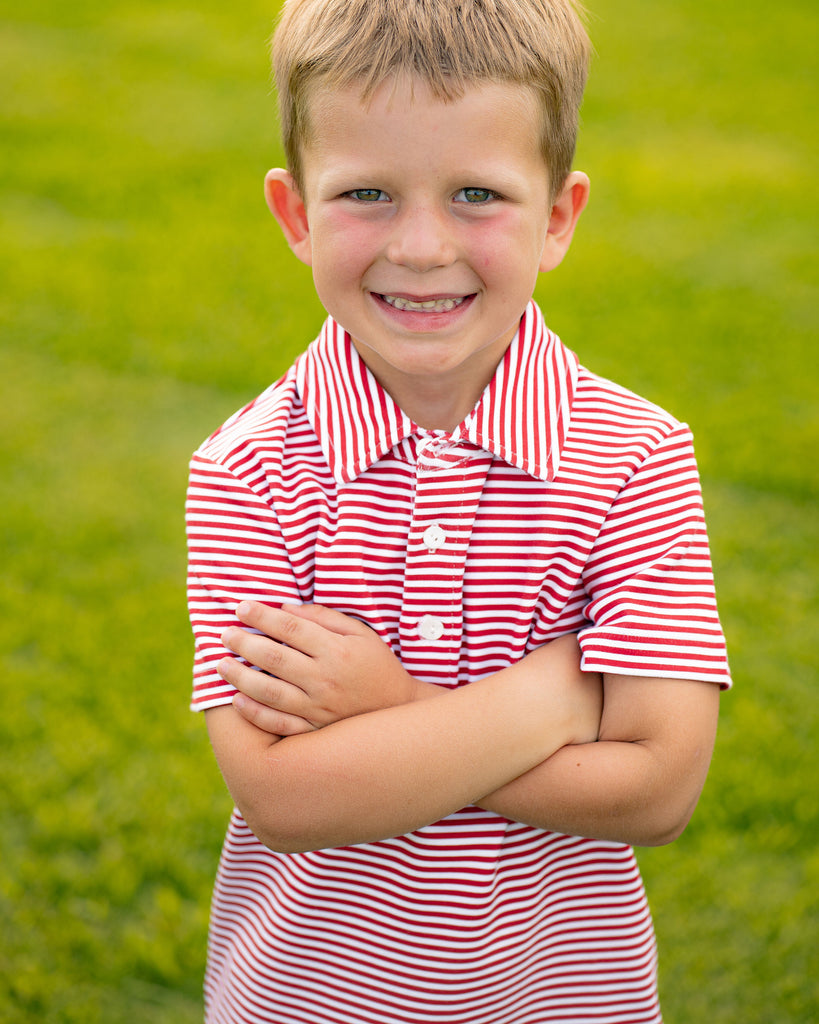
368 195
476 196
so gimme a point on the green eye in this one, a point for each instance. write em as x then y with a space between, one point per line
475 195
368 195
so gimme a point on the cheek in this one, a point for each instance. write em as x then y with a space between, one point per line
504 245
341 269
343 250
339 236
502 263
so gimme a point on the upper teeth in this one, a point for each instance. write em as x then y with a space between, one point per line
428 305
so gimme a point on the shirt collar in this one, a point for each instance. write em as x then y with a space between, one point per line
522 417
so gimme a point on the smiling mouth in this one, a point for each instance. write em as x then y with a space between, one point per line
424 305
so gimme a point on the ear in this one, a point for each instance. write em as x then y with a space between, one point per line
565 214
287 206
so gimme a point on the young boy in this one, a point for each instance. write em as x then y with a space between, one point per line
401 550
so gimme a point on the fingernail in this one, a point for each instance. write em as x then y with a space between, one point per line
243 608
239 701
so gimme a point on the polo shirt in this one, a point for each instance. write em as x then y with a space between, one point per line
562 503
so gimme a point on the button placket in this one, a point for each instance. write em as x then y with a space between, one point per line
447 491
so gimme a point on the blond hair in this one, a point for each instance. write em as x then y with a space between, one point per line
449 44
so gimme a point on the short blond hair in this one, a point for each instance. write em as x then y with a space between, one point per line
449 44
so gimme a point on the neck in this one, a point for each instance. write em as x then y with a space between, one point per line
434 404
437 401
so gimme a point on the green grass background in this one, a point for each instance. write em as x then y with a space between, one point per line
145 295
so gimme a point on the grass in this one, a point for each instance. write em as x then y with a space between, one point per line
146 295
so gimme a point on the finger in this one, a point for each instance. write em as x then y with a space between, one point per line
297 633
328 618
260 616
270 720
268 655
270 691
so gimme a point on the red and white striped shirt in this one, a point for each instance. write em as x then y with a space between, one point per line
563 503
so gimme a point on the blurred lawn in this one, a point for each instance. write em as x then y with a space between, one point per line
145 295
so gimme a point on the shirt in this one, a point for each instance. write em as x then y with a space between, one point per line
562 503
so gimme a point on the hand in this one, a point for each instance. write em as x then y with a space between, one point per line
317 666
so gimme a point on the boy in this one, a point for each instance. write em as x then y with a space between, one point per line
405 545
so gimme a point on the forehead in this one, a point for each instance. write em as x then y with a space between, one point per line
487 117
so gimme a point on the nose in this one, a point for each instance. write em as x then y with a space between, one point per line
421 239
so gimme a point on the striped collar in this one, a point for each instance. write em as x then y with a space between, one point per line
522 416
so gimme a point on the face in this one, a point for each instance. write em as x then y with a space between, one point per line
426 224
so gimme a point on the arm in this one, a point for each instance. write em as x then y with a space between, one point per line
652 610
384 771
389 771
641 782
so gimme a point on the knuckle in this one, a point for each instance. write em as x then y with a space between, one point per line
272 658
249 710
277 723
271 693
289 628
289 725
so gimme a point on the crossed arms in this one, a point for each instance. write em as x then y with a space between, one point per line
334 743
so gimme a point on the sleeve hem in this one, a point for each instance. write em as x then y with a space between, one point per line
211 700
593 662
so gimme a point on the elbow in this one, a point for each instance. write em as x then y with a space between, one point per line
286 820
278 829
283 838
664 827
270 833
288 844
669 794
661 837
643 833
279 805
279 790
279 837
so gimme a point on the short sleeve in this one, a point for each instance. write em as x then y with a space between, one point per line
235 552
652 607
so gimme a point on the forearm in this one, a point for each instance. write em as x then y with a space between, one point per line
391 771
608 791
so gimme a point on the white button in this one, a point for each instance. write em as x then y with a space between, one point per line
434 537
430 627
